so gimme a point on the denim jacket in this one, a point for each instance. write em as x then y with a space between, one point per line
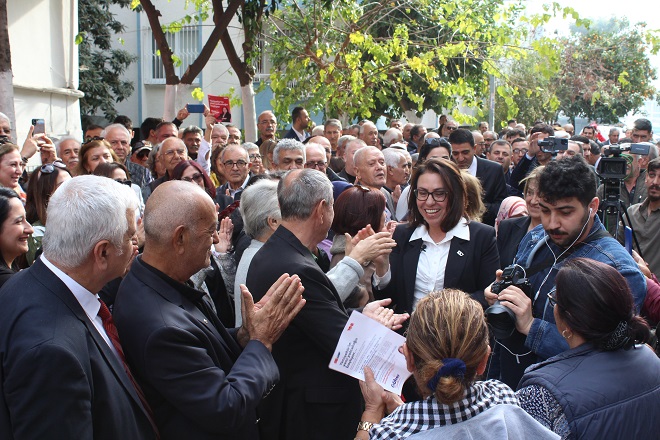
543 339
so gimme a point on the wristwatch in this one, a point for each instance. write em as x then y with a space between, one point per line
364 426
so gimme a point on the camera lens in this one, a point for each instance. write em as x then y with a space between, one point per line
501 320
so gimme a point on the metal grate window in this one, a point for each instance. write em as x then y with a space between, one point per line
184 44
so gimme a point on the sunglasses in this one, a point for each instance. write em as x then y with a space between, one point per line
197 177
126 182
50 167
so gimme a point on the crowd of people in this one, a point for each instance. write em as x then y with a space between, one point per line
192 285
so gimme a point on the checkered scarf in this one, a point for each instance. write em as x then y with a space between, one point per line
413 417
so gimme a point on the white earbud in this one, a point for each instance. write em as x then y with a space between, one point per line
590 211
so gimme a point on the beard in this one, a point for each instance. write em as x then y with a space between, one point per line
564 238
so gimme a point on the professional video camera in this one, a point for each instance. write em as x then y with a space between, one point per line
553 145
501 319
613 166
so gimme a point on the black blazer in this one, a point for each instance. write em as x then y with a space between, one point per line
491 176
311 401
291 134
470 272
198 381
509 234
59 378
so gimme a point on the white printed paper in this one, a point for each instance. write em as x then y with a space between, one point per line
365 342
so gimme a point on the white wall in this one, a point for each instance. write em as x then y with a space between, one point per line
45 65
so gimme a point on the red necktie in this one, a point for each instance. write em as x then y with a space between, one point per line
111 331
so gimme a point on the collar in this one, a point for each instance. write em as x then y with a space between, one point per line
232 192
472 169
461 230
186 290
301 135
88 301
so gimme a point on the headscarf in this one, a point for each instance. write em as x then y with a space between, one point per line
511 207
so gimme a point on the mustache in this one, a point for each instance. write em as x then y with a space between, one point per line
655 187
555 232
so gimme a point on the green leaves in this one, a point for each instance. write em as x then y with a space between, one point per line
386 58
197 94
102 79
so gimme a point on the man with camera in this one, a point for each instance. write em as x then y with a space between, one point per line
534 157
569 228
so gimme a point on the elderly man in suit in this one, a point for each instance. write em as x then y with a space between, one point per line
202 380
311 401
489 173
63 373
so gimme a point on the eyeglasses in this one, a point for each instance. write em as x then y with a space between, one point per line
552 298
255 156
50 167
126 182
197 177
489 139
481 143
239 163
317 164
179 152
362 187
439 195
451 128
520 150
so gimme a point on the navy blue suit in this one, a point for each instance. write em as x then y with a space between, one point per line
59 378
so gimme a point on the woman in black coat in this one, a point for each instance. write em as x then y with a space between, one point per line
439 248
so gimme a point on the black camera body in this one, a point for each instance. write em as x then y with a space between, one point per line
614 167
553 145
500 318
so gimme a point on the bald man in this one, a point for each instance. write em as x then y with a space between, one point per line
202 380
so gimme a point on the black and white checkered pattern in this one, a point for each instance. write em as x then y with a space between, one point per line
414 417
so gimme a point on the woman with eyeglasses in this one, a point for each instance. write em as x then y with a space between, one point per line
15 232
433 148
93 153
439 247
191 171
256 161
42 185
119 173
605 386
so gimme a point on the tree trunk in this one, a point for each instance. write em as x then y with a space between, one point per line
6 76
249 113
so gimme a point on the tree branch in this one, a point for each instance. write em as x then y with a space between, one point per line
221 20
165 52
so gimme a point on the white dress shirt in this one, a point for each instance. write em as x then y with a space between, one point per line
473 166
88 301
433 258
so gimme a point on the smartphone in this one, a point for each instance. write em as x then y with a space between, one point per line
39 126
195 108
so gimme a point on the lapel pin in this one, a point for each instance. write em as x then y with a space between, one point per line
460 253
